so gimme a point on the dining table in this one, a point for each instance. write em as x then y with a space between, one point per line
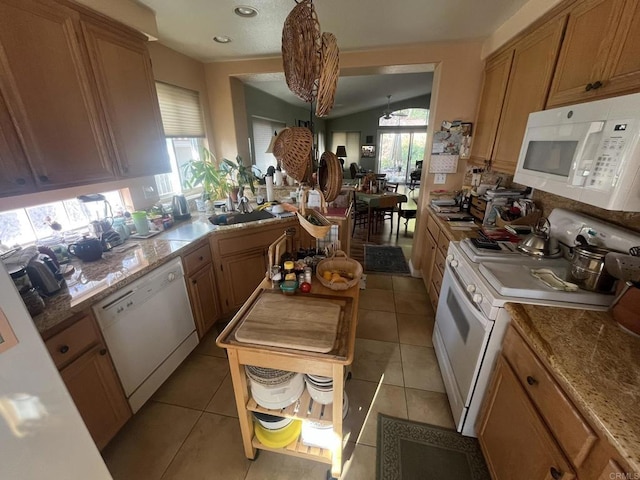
380 200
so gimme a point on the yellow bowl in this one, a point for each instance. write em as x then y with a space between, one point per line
278 438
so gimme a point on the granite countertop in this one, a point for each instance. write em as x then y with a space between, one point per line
595 362
452 235
93 281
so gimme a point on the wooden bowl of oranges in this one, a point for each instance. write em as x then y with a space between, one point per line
339 272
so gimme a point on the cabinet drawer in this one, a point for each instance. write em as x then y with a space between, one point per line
443 243
574 435
477 214
69 344
197 259
479 203
436 279
441 263
432 227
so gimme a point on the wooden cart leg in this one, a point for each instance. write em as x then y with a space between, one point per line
338 388
241 393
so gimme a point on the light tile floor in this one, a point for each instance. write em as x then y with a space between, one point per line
189 430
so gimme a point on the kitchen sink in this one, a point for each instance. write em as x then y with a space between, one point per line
234 218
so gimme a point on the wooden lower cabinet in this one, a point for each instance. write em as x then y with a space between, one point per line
86 368
201 286
514 439
242 274
433 261
97 393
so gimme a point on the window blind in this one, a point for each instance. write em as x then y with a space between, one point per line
263 131
180 111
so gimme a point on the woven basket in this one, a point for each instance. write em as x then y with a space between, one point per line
316 231
330 176
329 72
301 45
341 263
293 149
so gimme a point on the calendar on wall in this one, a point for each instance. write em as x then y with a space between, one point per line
7 338
443 163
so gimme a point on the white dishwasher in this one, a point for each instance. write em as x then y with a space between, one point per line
149 329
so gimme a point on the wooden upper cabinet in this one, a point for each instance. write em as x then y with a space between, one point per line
623 68
126 88
44 80
494 87
15 175
534 59
593 31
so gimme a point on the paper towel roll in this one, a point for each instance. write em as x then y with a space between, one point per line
269 182
279 178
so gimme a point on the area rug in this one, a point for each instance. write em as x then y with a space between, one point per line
416 451
385 259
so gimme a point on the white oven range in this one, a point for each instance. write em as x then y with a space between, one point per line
471 320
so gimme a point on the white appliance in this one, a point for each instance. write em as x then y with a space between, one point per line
471 320
41 432
588 152
149 329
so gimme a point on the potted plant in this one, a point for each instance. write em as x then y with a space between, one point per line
239 175
206 172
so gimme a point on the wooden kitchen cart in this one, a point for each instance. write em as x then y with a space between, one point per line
330 364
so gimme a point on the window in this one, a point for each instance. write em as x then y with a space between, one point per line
263 131
184 128
28 225
409 117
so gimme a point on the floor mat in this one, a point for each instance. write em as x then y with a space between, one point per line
385 259
409 450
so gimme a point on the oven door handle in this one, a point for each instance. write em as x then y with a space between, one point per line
461 292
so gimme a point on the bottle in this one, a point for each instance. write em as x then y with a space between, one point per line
287 259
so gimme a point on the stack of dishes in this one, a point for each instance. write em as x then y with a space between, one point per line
277 437
316 434
320 388
274 389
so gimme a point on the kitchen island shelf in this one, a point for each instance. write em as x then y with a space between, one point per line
302 409
298 449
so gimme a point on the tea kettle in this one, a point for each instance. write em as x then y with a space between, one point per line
180 207
88 249
539 243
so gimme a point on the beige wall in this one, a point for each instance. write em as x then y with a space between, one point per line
528 13
456 88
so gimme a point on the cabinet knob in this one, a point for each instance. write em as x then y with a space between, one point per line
194 281
597 85
64 349
125 169
201 257
103 351
43 178
555 473
588 87
531 380
20 181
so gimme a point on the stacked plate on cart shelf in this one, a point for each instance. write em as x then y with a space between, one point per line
320 388
274 389
318 434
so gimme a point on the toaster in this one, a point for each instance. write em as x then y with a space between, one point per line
44 275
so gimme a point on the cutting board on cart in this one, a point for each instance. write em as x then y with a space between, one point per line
297 322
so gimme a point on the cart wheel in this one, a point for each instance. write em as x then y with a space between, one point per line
329 476
348 376
256 457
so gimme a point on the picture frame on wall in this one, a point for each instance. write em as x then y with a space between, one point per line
304 123
368 151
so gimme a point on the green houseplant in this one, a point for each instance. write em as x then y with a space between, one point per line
239 174
206 172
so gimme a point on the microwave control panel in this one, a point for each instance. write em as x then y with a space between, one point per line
603 174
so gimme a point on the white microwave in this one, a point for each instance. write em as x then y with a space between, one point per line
588 152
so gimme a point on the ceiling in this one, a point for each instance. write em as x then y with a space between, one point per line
189 26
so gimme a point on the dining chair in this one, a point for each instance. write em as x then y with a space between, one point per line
360 214
380 215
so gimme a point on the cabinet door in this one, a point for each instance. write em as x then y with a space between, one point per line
241 274
47 89
428 258
494 87
623 68
202 293
124 78
97 393
585 48
514 439
531 72
15 175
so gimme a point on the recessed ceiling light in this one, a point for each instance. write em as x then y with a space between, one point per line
221 39
245 11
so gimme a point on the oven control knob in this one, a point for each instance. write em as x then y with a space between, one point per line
471 288
449 258
171 277
477 298
453 263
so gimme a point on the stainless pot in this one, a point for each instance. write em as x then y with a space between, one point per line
588 269
539 243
